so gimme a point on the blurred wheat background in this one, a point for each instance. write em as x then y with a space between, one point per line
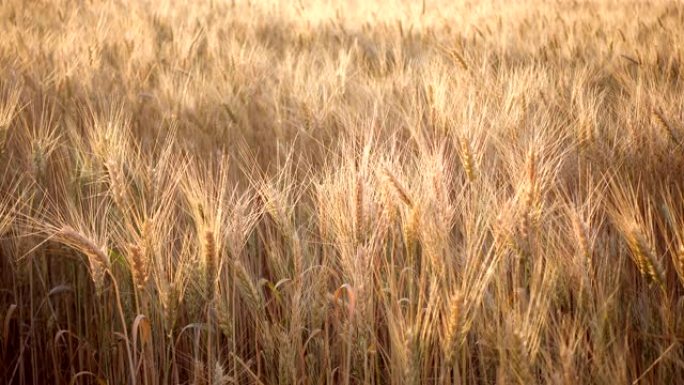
341 192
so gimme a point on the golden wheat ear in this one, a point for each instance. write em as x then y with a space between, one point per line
9 106
644 256
97 258
397 187
139 266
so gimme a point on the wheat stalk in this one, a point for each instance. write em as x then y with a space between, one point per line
458 58
581 233
139 266
97 258
644 256
679 262
210 262
360 217
665 126
411 228
412 360
246 286
529 199
452 333
117 183
468 159
398 187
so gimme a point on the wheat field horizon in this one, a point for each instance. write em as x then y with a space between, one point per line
341 192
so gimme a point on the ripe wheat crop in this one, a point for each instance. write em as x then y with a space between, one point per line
341 192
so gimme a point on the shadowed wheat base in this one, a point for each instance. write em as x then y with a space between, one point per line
435 192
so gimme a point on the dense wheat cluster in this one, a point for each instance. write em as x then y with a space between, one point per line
390 192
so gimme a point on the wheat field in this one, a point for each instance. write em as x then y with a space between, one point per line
341 192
